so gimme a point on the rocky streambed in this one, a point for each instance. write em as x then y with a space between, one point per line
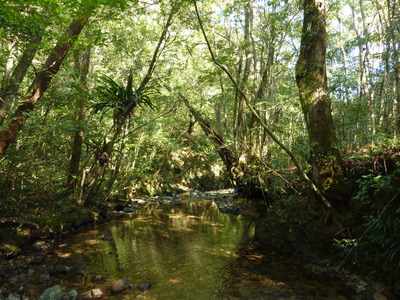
191 246
27 274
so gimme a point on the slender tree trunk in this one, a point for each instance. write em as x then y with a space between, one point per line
368 80
243 130
82 66
41 83
394 19
243 74
396 46
365 98
218 118
10 89
315 101
264 89
115 173
350 132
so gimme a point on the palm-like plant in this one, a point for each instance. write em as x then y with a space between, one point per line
121 99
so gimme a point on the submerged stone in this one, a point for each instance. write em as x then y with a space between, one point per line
228 209
139 201
14 296
197 194
53 293
71 295
167 198
107 237
85 295
80 266
145 286
45 277
121 285
58 269
96 293
37 259
129 209
98 278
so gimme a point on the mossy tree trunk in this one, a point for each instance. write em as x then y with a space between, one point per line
315 101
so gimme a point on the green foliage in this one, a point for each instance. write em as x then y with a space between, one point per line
345 244
121 99
63 215
370 185
381 196
161 150
291 227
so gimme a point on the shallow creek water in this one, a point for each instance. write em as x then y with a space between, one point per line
188 250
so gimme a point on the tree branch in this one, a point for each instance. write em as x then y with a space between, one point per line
153 62
259 120
42 81
145 124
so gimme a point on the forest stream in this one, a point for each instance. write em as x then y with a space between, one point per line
187 250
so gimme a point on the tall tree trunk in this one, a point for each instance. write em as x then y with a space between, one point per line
394 19
10 89
305 177
117 167
243 74
351 132
368 80
82 62
396 54
243 130
264 89
41 83
315 101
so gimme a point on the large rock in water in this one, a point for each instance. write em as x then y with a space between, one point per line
121 285
53 293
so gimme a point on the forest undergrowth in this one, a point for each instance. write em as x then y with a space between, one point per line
368 242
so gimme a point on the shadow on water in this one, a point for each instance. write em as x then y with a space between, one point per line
188 250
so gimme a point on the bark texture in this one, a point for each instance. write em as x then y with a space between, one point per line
315 101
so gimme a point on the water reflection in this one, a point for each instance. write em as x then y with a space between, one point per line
187 251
